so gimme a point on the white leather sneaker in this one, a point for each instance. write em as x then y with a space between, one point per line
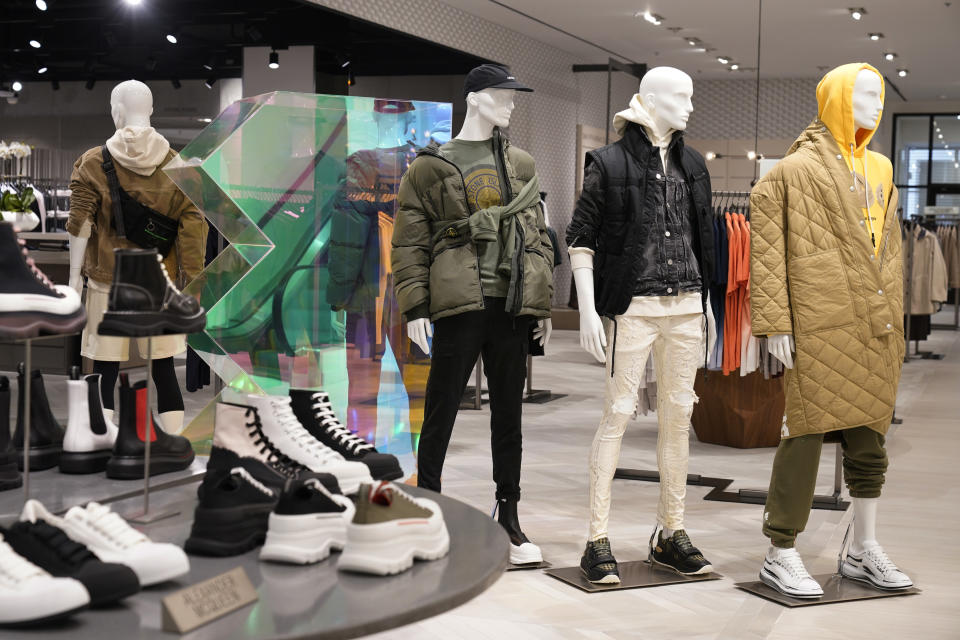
783 570
90 434
113 540
30 595
874 567
283 429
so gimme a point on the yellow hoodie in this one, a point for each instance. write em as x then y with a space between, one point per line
872 172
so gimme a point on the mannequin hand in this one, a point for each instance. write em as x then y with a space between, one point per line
543 331
781 347
593 339
419 330
76 281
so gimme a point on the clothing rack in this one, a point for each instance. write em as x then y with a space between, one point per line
949 219
919 219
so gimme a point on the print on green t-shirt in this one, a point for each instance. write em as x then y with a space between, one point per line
475 160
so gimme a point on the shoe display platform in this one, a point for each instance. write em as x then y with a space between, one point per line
59 491
835 589
633 575
528 566
294 601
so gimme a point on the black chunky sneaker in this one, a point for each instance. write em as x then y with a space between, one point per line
49 548
679 554
315 412
46 434
598 563
9 474
232 516
144 302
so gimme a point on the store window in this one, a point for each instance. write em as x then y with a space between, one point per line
926 161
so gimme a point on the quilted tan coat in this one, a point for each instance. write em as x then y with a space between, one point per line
815 275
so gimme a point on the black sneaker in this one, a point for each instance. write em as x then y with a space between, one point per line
50 549
315 412
598 563
307 523
232 516
679 554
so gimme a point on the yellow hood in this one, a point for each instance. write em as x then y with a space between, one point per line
835 106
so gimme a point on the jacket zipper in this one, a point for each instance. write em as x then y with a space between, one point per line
463 183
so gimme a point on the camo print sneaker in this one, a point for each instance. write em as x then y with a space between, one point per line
679 554
598 563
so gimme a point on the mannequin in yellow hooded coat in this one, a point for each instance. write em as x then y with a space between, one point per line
826 273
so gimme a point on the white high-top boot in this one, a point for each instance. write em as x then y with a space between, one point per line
90 434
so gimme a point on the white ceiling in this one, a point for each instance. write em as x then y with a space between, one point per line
798 35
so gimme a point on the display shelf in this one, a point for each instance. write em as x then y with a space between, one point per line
313 601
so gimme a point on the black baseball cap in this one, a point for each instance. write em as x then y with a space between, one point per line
491 76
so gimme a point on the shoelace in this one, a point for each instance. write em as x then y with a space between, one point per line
72 552
323 410
113 526
166 275
881 561
275 458
39 275
16 567
301 437
790 560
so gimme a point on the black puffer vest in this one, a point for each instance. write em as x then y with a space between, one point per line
650 233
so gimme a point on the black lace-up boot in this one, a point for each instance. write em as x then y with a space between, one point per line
46 434
9 475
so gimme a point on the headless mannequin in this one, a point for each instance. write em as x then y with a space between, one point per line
867 107
131 105
486 109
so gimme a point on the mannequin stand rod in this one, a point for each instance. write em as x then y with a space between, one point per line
27 409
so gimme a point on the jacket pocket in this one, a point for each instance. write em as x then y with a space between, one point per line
819 293
537 280
454 275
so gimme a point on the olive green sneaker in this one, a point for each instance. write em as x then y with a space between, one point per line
390 529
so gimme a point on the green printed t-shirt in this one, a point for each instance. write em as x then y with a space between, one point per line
475 160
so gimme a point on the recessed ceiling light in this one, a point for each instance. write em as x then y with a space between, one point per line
723 60
857 13
734 66
42 5
171 38
133 3
874 36
17 85
205 120
710 155
693 42
42 70
902 73
890 55
700 50
940 135
35 44
652 18
751 155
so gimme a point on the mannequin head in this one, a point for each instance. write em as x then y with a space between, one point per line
666 94
131 104
867 99
491 106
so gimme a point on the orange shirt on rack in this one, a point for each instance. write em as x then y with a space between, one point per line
731 323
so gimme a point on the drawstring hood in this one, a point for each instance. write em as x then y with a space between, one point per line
139 149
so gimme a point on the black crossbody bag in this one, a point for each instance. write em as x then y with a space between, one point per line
136 222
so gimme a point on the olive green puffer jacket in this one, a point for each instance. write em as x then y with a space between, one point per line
434 258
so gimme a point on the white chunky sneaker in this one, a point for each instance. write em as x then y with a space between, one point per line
390 529
874 567
111 539
30 595
307 523
783 570
88 442
283 429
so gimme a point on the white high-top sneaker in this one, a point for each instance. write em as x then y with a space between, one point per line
783 570
283 429
90 434
112 540
30 595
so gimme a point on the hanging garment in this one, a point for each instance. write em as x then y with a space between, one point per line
928 287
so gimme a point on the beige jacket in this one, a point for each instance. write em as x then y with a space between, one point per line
929 273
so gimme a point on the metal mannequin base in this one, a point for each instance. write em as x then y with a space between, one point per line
633 575
836 589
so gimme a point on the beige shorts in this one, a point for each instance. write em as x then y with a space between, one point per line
112 348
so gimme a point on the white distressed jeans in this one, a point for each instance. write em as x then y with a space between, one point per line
677 344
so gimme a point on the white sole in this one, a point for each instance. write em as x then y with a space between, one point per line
385 551
174 571
856 573
519 555
771 581
605 580
303 539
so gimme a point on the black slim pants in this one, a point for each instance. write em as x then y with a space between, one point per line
502 341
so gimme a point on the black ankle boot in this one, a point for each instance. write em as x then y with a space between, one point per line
46 434
29 303
522 551
167 453
9 475
143 300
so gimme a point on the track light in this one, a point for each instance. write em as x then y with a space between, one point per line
902 73
42 5
874 36
176 83
35 44
723 60
692 42
350 79
710 155
89 84
734 67
652 18
17 86
751 155
210 63
345 65
172 38
274 60
209 82
55 84
133 3
889 56
857 13
42 70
